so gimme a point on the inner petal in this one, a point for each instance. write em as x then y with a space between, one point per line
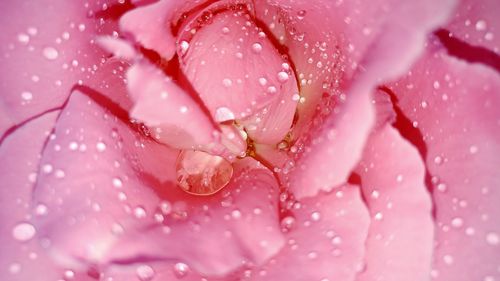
233 66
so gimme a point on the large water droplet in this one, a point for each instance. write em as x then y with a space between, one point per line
181 269
23 231
201 173
256 48
223 114
145 272
282 76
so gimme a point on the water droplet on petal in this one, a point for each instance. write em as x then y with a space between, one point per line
23 231
256 48
50 53
27 96
100 146
315 216
282 76
201 173
117 182
181 269
492 238
69 274
227 82
139 212
145 272
223 114
301 14
184 47
287 223
480 25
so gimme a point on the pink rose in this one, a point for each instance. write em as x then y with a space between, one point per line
250 140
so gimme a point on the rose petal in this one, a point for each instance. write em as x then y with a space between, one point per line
382 55
22 258
477 23
325 239
42 59
400 240
160 103
455 105
232 44
120 205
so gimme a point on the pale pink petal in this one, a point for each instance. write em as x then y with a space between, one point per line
455 106
397 36
233 66
400 240
22 257
477 23
111 198
46 49
177 119
325 239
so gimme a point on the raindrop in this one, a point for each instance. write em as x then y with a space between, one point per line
315 216
480 25
145 272
256 48
181 269
441 187
282 76
448 259
23 231
50 53
81 27
378 216
295 97
27 96
301 14
492 238
100 146
165 207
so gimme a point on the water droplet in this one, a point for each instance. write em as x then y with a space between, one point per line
23 231
295 97
448 259
301 14
436 85
378 216
73 145
315 216
283 76
41 210
236 214
287 223
145 272
225 30
50 53
184 47
183 109
139 212
47 168
227 82
201 173
81 27
181 269
100 146
262 81
223 114
480 25
399 178
492 238
27 96
441 187
69 274
117 182
256 48
473 149
23 38
457 222
272 90
438 160
165 207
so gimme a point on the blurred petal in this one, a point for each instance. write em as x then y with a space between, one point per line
455 106
400 240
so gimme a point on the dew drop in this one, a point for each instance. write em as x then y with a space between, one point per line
236 214
438 160
69 274
145 272
301 14
23 38
117 182
100 146
457 222
139 212
183 109
480 25
262 81
225 30
436 85
272 90
165 207
23 231
315 216
27 96
283 76
41 210
287 223
492 239
256 48
50 53
181 269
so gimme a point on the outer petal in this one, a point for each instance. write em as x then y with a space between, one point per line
326 239
111 200
22 258
455 105
178 120
400 240
384 53
42 59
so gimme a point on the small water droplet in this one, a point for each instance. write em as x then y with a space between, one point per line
69 274
165 207
236 214
50 53
227 82
23 231
480 25
145 272
287 223
81 27
473 149
492 238
139 212
27 96
256 48
457 222
100 146
23 38
181 269
184 47
301 14
183 109
223 114
283 76
399 178
436 85
272 90
438 160
117 182
262 81
225 30
47 168
448 259
41 210
315 216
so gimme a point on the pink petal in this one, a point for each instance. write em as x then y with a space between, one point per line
160 103
400 240
118 47
44 54
477 23
22 257
93 180
111 200
223 60
382 55
325 239
455 106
